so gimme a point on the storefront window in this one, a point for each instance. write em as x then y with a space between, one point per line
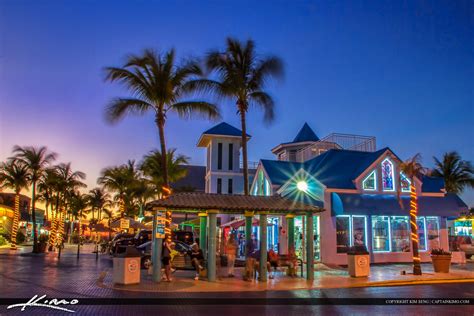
400 233
421 223
432 224
359 230
380 233
343 233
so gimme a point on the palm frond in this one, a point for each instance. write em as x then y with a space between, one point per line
265 101
187 108
118 108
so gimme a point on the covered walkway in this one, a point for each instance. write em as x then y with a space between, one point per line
208 205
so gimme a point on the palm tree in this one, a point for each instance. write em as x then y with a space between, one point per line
151 166
143 191
98 199
413 169
14 175
79 203
108 215
68 181
120 180
241 76
46 190
36 160
156 83
457 173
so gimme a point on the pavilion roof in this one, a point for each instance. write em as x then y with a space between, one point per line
232 203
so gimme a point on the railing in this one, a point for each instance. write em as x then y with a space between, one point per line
250 164
336 141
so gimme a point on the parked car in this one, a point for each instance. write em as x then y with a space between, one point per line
183 236
140 238
117 238
181 261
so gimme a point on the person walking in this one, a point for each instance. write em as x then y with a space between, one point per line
197 258
231 249
166 259
252 254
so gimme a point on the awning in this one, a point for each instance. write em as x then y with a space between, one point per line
449 205
232 203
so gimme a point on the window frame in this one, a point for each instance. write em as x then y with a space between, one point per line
389 235
373 172
394 184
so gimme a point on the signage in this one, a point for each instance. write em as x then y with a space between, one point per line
160 226
124 223
362 261
132 265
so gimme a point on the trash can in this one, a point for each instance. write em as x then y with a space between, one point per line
127 267
358 262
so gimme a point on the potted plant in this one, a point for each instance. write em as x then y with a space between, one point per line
358 261
441 260
43 242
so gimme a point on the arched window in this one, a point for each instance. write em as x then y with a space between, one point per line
388 182
370 182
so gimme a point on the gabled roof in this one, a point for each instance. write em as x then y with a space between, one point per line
221 129
335 168
306 134
280 171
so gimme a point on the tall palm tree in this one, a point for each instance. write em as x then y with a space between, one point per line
14 175
36 159
68 181
143 191
108 214
156 83
457 173
46 190
151 166
98 199
79 203
241 76
412 168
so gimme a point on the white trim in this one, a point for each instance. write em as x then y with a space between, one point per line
394 184
374 173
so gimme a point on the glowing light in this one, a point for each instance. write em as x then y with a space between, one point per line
302 186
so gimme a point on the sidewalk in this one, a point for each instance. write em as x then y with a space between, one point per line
324 278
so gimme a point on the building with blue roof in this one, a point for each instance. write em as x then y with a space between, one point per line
364 193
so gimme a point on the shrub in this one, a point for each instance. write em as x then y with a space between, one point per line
20 237
439 252
5 234
43 238
3 241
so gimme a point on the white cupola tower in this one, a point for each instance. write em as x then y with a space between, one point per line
223 173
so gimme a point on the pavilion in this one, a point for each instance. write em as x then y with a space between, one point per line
208 205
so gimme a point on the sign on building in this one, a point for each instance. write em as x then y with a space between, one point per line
160 225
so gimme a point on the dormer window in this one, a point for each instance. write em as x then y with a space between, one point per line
405 183
388 183
370 182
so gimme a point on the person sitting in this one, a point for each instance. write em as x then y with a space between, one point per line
272 261
197 259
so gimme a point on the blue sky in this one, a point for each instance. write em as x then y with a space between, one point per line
399 70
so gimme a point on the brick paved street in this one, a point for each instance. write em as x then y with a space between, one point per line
22 276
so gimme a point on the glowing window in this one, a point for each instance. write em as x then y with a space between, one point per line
387 175
404 183
370 182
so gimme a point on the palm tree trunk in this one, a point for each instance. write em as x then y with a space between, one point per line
244 150
33 217
16 218
414 229
54 225
164 161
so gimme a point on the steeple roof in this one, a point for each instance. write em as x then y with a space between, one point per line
306 134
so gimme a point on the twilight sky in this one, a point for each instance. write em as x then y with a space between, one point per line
402 71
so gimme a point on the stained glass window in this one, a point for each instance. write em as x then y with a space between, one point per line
404 183
387 176
370 182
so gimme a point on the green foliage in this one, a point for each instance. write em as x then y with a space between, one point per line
439 252
20 237
457 173
5 234
3 241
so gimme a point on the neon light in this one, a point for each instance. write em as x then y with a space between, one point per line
370 186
